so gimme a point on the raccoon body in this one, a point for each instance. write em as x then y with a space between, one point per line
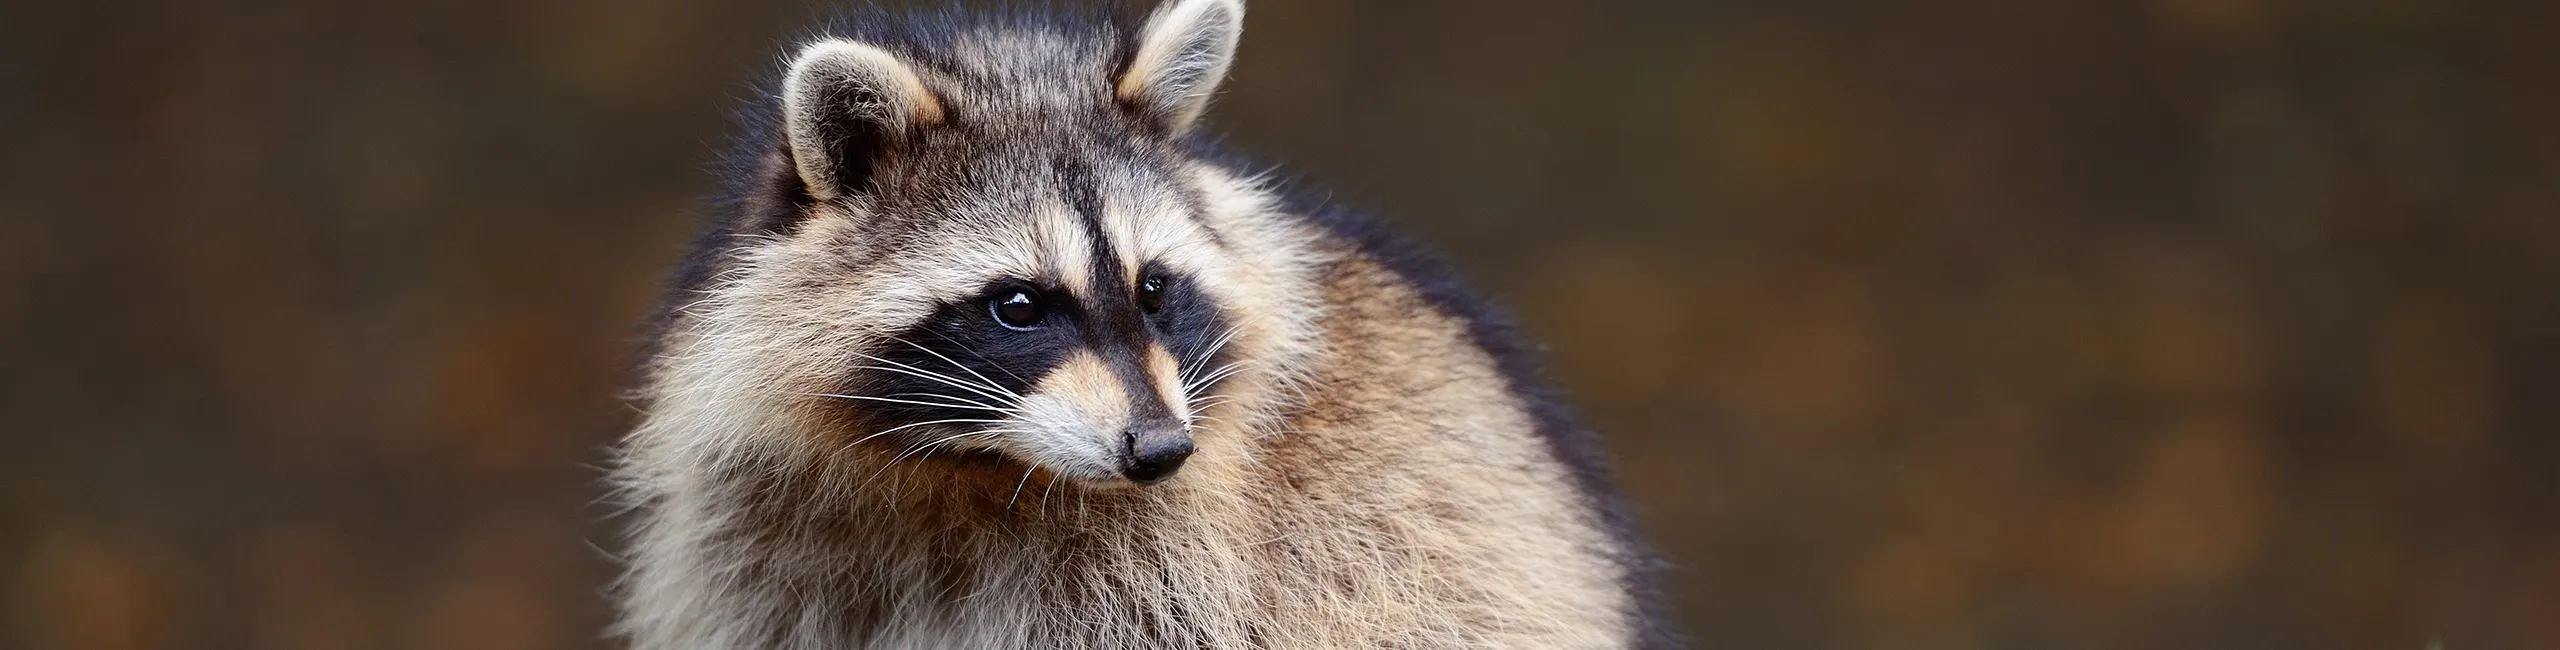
989 350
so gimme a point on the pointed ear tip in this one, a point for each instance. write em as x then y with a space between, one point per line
1177 21
1194 10
1234 10
832 49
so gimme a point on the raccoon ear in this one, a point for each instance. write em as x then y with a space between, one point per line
842 103
1182 54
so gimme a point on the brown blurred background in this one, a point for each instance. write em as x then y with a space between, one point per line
1967 324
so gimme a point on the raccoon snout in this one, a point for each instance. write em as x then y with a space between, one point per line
1151 453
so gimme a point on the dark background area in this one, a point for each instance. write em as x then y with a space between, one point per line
1968 324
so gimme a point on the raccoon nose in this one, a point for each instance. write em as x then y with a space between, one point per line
1154 452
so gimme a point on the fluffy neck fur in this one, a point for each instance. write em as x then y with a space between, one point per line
783 554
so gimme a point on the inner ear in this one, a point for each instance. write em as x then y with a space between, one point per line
844 106
1182 54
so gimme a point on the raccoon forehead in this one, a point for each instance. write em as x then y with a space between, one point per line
1009 72
956 258
1159 230
1053 244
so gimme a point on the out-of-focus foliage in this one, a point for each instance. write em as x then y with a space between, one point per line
1972 324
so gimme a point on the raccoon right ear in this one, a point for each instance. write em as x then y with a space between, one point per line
843 102
1181 55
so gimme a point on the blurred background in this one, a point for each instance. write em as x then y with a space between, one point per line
1966 324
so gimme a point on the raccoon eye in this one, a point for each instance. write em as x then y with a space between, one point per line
1015 309
1151 294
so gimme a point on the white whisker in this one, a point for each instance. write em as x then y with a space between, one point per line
990 383
1017 485
1223 372
909 402
1214 346
980 355
926 447
903 427
963 400
913 371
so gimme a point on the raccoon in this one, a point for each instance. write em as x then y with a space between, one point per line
990 348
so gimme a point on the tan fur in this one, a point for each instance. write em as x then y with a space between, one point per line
1077 408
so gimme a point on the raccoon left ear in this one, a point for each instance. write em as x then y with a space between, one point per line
1182 55
843 104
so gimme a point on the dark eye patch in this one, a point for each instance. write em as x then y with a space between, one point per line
965 362
960 363
1189 326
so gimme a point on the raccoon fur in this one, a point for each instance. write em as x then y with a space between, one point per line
988 348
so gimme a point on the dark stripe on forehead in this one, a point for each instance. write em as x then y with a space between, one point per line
1114 328
1082 193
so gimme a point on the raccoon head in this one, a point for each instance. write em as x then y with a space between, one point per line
996 242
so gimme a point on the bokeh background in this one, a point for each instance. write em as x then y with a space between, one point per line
1963 324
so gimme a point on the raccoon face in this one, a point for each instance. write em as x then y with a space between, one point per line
1002 249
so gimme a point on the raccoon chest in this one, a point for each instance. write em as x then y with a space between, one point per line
1090 598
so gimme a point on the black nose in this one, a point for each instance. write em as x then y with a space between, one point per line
1155 452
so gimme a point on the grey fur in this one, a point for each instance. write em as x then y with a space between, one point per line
1375 466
